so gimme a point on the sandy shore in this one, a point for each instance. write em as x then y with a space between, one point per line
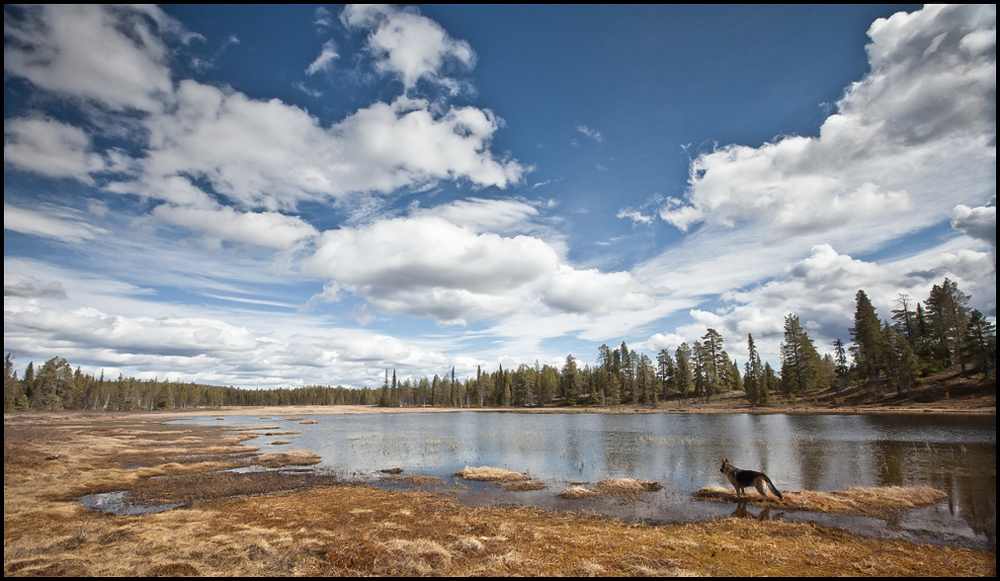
268 523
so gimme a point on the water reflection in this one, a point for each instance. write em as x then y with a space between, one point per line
956 454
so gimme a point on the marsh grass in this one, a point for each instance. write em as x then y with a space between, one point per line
336 528
877 501
490 474
624 489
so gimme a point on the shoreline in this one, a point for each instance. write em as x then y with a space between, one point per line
165 415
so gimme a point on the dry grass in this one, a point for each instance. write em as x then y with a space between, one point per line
414 479
490 474
625 489
853 500
290 458
349 530
524 486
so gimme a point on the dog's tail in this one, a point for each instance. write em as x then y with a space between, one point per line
774 488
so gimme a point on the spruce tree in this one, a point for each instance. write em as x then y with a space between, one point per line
870 344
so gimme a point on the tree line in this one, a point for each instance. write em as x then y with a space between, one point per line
918 339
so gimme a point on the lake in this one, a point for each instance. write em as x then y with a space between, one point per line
953 453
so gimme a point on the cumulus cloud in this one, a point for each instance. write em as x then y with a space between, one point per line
266 154
181 336
114 56
205 145
408 45
16 284
901 143
49 148
442 263
979 223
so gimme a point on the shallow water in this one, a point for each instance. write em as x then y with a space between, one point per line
120 502
955 454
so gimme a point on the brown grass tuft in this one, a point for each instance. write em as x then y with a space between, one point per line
490 474
291 458
625 489
524 486
854 500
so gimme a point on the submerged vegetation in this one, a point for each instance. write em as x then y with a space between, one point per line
922 340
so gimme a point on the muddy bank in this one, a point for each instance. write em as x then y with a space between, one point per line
324 525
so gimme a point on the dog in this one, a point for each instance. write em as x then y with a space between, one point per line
741 479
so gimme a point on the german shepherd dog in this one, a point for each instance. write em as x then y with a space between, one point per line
741 479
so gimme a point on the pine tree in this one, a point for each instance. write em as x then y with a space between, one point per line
665 371
904 367
754 373
683 382
569 380
981 343
715 362
948 313
800 361
767 385
870 344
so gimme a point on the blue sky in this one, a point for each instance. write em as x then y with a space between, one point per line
281 196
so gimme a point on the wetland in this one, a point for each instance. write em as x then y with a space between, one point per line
342 514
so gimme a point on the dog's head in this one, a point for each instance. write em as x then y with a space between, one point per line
726 466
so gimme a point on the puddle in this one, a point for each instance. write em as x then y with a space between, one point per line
119 502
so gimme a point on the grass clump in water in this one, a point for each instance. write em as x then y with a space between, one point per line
490 474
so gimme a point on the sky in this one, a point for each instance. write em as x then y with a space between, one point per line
279 196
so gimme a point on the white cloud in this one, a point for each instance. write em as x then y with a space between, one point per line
979 223
427 266
912 138
821 290
407 44
325 59
17 284
446 264
266 229
591 133
110 55
49 148
486 215
266 154
61 224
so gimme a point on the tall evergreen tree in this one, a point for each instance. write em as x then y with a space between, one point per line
870 343
753 378
684 380
570 379
800 361
948 311
665 371
981 343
